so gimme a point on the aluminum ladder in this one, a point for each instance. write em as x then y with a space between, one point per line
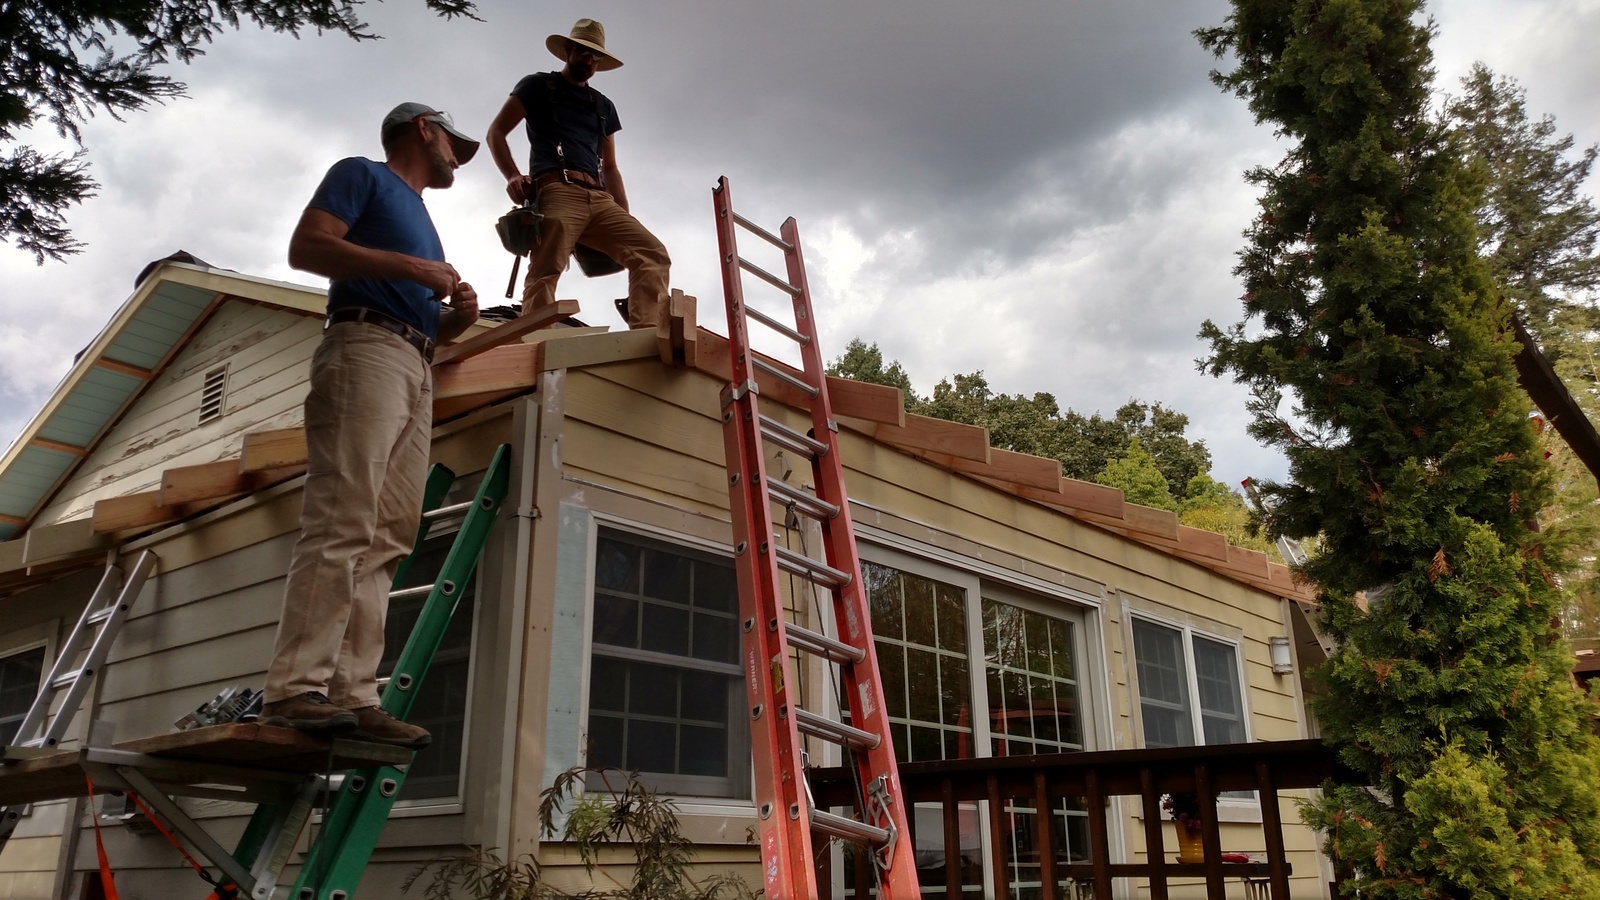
787 817
70 679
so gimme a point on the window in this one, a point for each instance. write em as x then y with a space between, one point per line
1189 684
441 702
20 674
666 696
919 628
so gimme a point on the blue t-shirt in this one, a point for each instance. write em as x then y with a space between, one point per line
383 213
575 114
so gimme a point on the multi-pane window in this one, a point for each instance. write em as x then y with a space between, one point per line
920 631
441 702
20 674
1188 685
1030 664
665 693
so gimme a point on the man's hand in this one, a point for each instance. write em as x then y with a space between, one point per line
438 276
458 313
465 301
519 188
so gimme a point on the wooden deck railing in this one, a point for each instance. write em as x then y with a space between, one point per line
1046 816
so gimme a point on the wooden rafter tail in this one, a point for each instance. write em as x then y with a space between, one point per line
506 333
1204 544
208 481
865 400
969 442
511 367
272 449
1006 466
686 329
121 515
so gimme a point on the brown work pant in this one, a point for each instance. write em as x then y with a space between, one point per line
369 420
578 215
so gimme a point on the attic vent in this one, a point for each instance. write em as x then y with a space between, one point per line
213 393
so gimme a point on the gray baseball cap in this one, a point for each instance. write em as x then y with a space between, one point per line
464 146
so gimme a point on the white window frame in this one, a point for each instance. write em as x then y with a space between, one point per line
680 787
43 634
1237 808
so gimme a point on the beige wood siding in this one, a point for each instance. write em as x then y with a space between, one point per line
268 354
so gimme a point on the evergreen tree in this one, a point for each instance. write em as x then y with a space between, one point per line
1411 455
864 362
64 60
1136 474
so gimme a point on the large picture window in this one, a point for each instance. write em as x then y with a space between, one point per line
665 693
1189 686
20 674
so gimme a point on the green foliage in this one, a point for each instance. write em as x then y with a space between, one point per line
1210 505
1136 474
1036 424
1410 454
625 813
65 61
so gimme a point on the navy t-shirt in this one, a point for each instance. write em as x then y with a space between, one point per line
582 117
383 213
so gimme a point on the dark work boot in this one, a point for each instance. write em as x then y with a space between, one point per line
376 725
310 712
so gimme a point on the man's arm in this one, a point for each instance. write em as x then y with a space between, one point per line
318 246
613 175
510 116
459 313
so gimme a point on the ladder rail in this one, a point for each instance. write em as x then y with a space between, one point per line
787 816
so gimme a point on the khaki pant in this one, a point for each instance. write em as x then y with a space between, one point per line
368 425
580 215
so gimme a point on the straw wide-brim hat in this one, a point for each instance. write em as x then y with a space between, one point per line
585 33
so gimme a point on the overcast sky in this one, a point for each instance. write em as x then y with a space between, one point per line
1050 192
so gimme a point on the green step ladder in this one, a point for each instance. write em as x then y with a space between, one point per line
350 829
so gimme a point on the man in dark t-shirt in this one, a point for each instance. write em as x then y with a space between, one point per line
368 421
572 170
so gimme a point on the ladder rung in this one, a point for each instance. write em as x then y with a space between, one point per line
777 326
762 233
100 615
421 590
848 829
66 679
837 732
779 433
815 507
768 277
812 570
810 390
445 512
822 645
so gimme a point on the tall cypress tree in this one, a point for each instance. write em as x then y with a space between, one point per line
1369 311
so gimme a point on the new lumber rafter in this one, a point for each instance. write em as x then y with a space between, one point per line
955 439
1074 496
272 449
1003 465
116 515
506 333
191 484
676 330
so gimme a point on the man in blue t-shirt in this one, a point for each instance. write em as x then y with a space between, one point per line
573 173
369 420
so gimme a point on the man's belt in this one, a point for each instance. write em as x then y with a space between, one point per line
415 338
567 176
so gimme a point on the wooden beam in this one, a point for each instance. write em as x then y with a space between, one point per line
1202 543
57 446
865 400
1073 497
1252 561
190 484
1003 465
926 433
272 449
501 369
444 410
46 543
596 349
122 368
1141 522
504 334
134 511
675 329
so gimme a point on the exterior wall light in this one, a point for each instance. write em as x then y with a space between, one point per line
1282 661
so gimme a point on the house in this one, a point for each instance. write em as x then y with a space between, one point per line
1015 612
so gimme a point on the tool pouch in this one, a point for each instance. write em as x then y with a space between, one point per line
519 228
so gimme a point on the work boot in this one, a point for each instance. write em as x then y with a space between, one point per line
376 725
310 712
